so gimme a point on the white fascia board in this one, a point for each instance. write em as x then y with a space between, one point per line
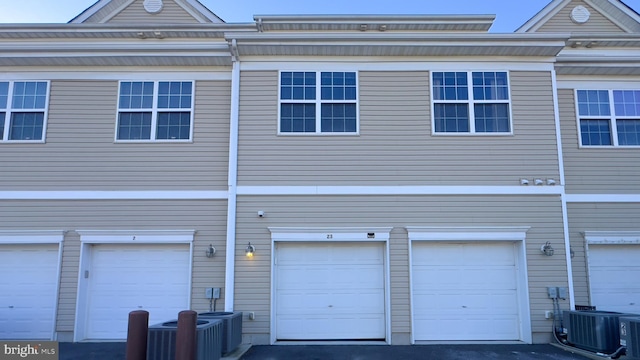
598 82
611 237
330 234
438 233
136 236
400 190
31 236
90 11
397 64
603 198
114 195
485 39
116 74
135 46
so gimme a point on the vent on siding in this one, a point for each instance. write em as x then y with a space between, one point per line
161 342
630 336
597 331
231 328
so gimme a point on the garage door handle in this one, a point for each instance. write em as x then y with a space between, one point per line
10 306
330 305
464 306
139 307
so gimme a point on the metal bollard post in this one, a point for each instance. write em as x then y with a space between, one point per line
137 335
186 335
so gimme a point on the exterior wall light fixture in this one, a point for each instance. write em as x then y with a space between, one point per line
250 250
211 251
547 249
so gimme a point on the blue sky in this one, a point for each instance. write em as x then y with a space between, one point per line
510 13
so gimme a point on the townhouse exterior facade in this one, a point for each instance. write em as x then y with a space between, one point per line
395 177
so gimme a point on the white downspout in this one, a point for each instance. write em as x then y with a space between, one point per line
232 182
563 195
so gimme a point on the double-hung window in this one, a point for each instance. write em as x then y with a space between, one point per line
471 102
318 102
155 111
609 117
23 110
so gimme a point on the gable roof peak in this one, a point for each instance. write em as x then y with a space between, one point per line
111 8
619 13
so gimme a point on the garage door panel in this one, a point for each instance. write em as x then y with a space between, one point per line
614 271
338 293
124 278
28 287
477 290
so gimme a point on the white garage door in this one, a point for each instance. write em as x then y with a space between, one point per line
465 291
123 278
28 286
615 277
328 291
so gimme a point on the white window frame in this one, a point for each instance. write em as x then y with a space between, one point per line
471 102
612 119
9 110
318 102
154 110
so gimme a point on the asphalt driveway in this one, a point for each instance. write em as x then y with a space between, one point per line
116 351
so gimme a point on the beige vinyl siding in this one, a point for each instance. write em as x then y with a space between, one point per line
595 217
593 170
395 145
208 218
253 276
562 23
171 13
80 152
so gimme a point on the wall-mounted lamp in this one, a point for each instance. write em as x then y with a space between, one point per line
250 250
538 181
551 182
524 182
211 251
547 249
571 252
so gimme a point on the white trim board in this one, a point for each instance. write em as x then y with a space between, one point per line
437 233
31 236
612 237
96 74
136 236
400 190
400 64
372 234
603 198
114 195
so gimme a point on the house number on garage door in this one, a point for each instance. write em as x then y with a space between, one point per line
329 236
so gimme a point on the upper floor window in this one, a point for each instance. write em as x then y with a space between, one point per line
157 111
609 117
23 109
471 102
318 102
